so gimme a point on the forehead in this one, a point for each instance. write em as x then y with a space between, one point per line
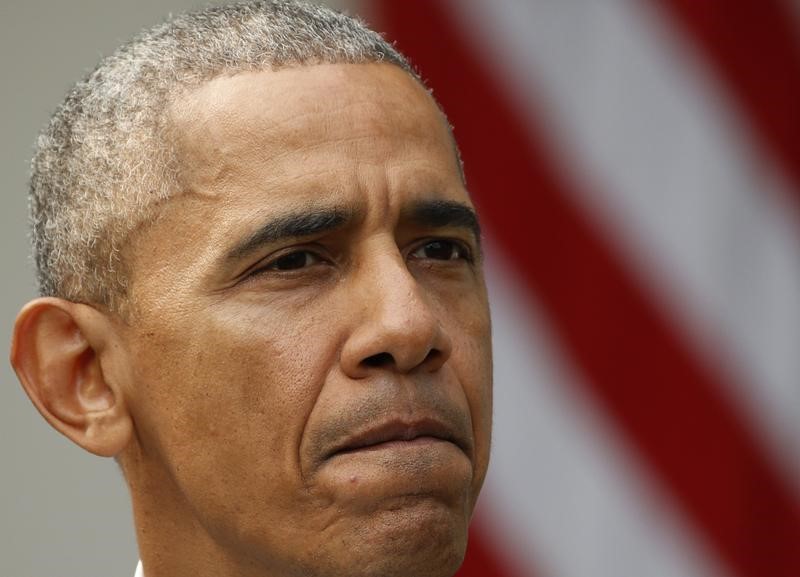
264 116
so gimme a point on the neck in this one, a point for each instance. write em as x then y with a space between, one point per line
172 541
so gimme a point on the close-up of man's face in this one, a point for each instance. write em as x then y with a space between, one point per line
306 354
278 252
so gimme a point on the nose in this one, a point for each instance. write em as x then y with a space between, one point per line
398 329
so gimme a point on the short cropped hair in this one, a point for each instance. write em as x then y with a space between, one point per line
104 162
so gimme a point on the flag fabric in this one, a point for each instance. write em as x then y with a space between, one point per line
636 165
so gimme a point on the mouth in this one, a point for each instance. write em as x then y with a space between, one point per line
399 435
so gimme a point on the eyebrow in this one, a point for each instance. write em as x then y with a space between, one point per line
444 214
299 224
311 222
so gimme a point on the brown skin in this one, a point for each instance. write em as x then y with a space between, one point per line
243 392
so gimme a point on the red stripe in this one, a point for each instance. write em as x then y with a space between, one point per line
657 390
755 47
481 559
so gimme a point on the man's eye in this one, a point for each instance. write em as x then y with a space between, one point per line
294 261
441 250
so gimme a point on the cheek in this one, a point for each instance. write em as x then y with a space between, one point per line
224 398
472 359
478 389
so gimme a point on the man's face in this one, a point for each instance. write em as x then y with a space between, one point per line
310 363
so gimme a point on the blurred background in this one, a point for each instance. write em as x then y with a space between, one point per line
637 168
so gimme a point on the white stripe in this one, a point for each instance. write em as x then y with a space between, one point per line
564 496
669 171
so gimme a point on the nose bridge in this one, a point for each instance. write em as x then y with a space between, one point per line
395 297
398 325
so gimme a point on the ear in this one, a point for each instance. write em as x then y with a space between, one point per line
59 351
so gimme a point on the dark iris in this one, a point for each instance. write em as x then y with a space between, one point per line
291 261
441 250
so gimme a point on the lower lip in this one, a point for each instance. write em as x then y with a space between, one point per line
421 466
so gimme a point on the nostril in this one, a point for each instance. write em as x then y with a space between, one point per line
433 354
379 360
383 360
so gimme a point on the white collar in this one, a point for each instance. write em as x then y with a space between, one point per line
139 570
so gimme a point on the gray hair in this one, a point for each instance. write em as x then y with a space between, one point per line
104 162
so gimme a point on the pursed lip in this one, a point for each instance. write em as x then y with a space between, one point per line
398 430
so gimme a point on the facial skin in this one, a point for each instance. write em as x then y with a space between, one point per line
306 359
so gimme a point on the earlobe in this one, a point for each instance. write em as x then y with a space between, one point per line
57 354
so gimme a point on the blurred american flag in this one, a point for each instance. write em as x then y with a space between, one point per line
637 167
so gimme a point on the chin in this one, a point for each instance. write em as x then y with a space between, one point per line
411 539
415 538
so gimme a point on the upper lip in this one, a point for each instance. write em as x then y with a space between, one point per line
400 430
